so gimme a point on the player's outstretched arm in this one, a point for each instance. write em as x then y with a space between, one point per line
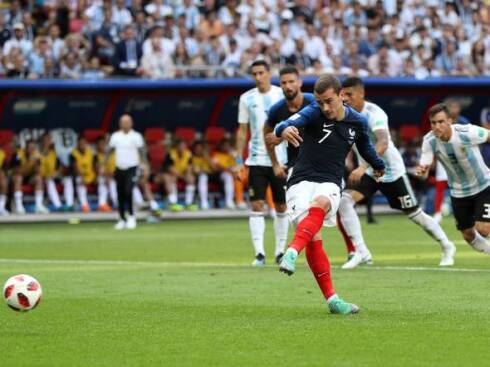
422 171
297 120
426 160
382 140
368 153
241 140
270 143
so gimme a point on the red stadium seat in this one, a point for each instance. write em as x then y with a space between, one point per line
92 134
28 189
6 137
409 132
9 152
186 133
156 155
214 134
154 135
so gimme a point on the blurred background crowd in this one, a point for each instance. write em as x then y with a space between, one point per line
94 39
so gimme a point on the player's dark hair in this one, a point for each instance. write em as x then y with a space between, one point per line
440 107
289 69
99 138
325 82
260 63
353 81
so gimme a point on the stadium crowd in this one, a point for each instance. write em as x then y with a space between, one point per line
94 39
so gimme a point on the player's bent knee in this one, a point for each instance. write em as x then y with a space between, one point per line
483 228
353 195
468 234
410 211
257 205
322 202
280 208
317 236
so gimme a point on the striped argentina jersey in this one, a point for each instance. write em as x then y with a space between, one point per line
466 171
378 120
253 109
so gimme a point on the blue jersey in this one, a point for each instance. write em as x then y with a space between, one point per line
326 144
280 112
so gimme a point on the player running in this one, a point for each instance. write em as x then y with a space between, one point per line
314 187
395 184
253 108
457 148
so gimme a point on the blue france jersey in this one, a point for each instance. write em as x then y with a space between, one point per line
326 144
280 112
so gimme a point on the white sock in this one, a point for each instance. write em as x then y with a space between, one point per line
480 244
189 194
154 205
137 196
257 229
3 202
68 191
430 226
281 223
102 191
18 199
202 184
229 188
172 195
81 192
38 198
352 224
113 191
53 193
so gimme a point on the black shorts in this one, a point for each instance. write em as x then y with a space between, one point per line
471 209
259 178
399 193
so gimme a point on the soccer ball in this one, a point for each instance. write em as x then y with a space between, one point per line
22 292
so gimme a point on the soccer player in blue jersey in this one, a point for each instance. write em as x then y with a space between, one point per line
329 129
293 101
457 148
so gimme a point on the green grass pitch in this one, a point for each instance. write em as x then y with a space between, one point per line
183 294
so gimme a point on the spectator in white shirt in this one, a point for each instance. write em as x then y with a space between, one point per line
120 14
168 46
287 43
157 64
314 45
158 9
55 41
17 40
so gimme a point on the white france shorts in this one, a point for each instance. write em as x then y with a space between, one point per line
300 196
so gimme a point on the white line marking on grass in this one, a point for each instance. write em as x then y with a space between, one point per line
221 265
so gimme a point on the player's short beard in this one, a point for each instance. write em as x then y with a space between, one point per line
291 97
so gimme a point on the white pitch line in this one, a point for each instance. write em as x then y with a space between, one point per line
221 265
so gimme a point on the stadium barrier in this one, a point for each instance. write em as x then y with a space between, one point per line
199 103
